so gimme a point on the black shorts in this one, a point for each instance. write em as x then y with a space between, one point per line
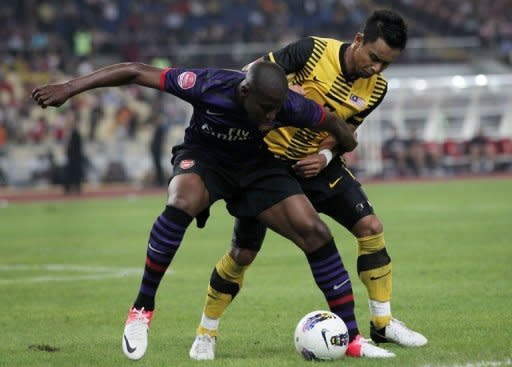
336 193
247 190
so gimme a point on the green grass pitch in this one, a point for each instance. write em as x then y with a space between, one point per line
70 270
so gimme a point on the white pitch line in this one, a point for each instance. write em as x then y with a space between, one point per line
59 267
80 272
506 362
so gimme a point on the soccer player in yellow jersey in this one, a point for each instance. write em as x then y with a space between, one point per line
345 78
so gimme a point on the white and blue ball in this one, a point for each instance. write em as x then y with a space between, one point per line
321 335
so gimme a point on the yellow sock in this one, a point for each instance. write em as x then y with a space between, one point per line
225 283
375 271
216 303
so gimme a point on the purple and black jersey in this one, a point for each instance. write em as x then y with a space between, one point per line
219 126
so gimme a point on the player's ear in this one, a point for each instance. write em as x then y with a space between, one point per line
359 38
244 89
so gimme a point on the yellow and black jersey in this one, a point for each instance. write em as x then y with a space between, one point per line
317 64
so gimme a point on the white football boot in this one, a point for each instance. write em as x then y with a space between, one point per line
135 336
203 348
397 332
363 348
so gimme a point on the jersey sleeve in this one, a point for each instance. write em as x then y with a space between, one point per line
183 83
293 57
301 112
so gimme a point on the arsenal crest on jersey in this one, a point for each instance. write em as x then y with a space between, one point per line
187 80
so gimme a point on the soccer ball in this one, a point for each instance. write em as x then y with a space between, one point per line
321 335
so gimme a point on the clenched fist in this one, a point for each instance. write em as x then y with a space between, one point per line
52 94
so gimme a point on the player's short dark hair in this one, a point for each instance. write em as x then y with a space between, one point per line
389 26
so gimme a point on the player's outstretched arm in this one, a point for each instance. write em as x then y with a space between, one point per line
110 76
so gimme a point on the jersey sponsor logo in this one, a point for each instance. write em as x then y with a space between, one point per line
187 80
357 101
187 163
334 183
231 134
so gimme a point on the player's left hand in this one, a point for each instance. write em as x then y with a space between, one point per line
51 95
310 166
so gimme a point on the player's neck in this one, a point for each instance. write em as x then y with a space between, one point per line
349 64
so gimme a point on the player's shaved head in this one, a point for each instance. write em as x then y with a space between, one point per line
266 78
263 92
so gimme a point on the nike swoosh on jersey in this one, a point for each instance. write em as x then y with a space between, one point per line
334 183
315 79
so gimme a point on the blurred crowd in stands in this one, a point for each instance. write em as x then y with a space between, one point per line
490 21
411 156
45 40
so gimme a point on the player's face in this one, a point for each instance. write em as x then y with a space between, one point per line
263 108
372 57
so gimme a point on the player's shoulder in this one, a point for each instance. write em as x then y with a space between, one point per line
214 77
324 42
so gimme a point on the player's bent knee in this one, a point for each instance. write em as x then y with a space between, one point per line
368 226
316 233
242 256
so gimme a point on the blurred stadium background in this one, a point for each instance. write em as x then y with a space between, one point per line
453 81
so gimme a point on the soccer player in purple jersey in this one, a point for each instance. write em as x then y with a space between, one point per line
222 157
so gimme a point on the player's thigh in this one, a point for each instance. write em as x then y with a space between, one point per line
195 184
296 219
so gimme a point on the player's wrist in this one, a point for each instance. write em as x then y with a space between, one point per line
327 154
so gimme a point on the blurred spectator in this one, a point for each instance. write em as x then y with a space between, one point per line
416 154
3 145
434 153
115 173
46 171
3 178
94 118
126 123
482 153
39 130
3 138
156 147
395 149
82 43
75 164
